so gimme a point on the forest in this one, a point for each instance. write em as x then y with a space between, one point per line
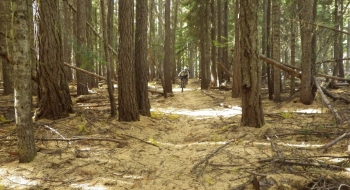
92 96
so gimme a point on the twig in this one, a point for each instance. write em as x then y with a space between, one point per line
284 161
80 139
52 129
142 141
207 157
255 173
338 119
333 142
242 186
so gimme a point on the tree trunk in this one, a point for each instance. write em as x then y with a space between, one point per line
292 47
269 69
167 51
7 68
307 87
141 58
81 50
338 39
252 113
219 40
225 42
110 34
347 66
108 59
22 81
92 82
214 73
173 40
276 50
151 59
67 39
54 98
204 44
127 100
237 65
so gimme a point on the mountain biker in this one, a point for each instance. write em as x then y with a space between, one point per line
184 74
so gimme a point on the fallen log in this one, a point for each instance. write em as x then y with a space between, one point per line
101 77
328 104
88 97
280 66
225 69
290 69
319 75
333 142
87 72
335 97
155 91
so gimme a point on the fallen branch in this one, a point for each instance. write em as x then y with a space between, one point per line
334 97
156 91
92 29
89 73
291 69
142 141
92 105
319 165
333 142
81 139
73 139
280 66
328 104
59 134
225 69
207 157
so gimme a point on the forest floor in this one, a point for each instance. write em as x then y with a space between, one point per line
192 141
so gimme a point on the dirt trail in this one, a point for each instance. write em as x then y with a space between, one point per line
161 152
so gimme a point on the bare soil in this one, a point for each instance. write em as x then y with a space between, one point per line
193 140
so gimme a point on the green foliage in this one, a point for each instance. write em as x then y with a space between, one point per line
287 115
151 140
306 131
173 116
216 138
82 128
210 180
3 119
156 114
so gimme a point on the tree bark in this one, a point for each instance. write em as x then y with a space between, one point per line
22 81
108 59
127 101
81 50
252 113
141 58
204 44
292 47
214 73
54 99
307 86
167 51
276 54
237 65
67 39
5 30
